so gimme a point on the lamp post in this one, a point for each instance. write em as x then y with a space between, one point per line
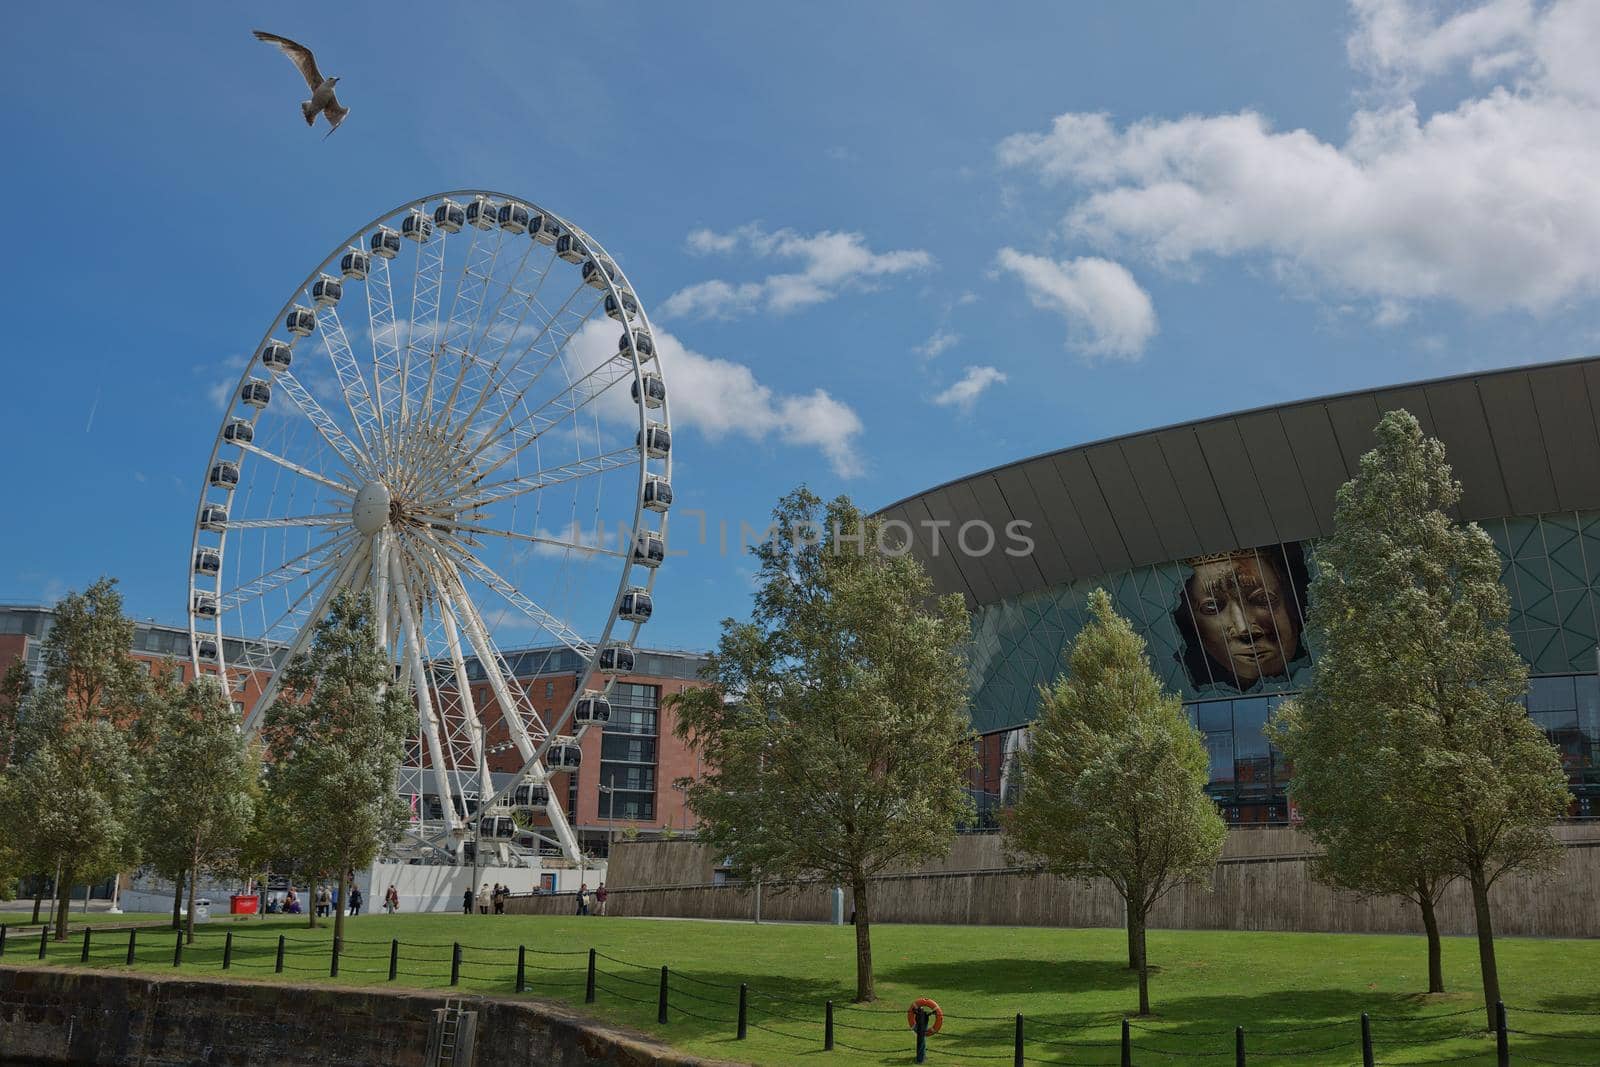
611 814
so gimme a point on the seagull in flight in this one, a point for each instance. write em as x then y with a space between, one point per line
322 101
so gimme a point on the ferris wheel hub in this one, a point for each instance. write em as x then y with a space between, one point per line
371 509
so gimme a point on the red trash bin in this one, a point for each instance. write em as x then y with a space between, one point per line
243 905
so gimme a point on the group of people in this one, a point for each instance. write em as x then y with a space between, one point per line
485 899
325 900
598 897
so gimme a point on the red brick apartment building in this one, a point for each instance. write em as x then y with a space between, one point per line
628 768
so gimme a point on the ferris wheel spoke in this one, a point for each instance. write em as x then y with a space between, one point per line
291 465
476 496
313 411
313 559
427 283
269 692
533 539
352 384
332 518
383 334
552 625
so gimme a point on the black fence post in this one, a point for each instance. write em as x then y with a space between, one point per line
922 1035
522 966
661 999
1502 1041
744 991
83 957
277 966
827 1027
1016 1044
177 950
2 939
588 983
133 939
44 934
1366 1040
333 964
1238 1046
455 963
1127 1044
227 951
394 958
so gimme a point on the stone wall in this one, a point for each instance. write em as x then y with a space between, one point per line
1262 883
58 1016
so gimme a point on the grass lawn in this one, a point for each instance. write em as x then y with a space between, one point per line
21 920
1299 996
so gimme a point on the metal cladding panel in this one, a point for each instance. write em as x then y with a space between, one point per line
972 503
1024 503
1353 419
944 510
1412 398
1098 522
1025 573
1161 497
1562 398
930 550
1518 441
1128 510
1236 482
1199 492
1458 415
1278 472
1064 521
1317 455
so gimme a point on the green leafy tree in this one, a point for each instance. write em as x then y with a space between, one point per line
335 738
201 779
1417 691
68 793
835 724
86 655
14 687
1116 779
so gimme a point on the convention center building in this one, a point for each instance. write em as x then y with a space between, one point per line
1205 535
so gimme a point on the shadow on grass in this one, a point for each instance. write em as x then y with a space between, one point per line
1024 977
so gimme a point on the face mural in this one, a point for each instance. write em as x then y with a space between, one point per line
1242 617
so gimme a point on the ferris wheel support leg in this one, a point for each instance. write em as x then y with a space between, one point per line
469 709
269 692
419 679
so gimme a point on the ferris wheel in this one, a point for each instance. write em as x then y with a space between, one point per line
438 415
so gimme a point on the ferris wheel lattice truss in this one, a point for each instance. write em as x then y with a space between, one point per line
436 416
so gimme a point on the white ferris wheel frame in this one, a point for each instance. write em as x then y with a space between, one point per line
428 566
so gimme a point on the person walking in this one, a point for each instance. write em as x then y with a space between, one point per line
483 899
583 899
466 901
355 900
600 899
499 899
324 901
391 900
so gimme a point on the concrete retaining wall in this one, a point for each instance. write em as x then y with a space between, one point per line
1262 883
55 1016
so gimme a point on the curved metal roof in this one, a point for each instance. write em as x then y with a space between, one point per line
1522 441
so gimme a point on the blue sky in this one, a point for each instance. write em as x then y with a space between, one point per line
897 243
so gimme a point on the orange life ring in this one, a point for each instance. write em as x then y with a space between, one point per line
935 1025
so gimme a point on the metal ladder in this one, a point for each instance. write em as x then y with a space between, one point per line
449 1031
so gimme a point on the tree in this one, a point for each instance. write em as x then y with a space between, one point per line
201 778
1419 686
86 655
68 793
1116 779
835 723
335 738
14 687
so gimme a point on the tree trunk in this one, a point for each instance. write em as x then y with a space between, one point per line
339 907
38 897
1133 943
864 991
63 901
1430 923
1142 961
177 899
1491 975
194 886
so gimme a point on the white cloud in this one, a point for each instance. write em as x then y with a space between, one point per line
942 341
964 394
1107 312
829 263
720 398
1490 203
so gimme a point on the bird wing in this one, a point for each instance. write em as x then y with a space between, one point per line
298 54
334 114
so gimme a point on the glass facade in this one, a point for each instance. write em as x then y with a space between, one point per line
628 753
1550 568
